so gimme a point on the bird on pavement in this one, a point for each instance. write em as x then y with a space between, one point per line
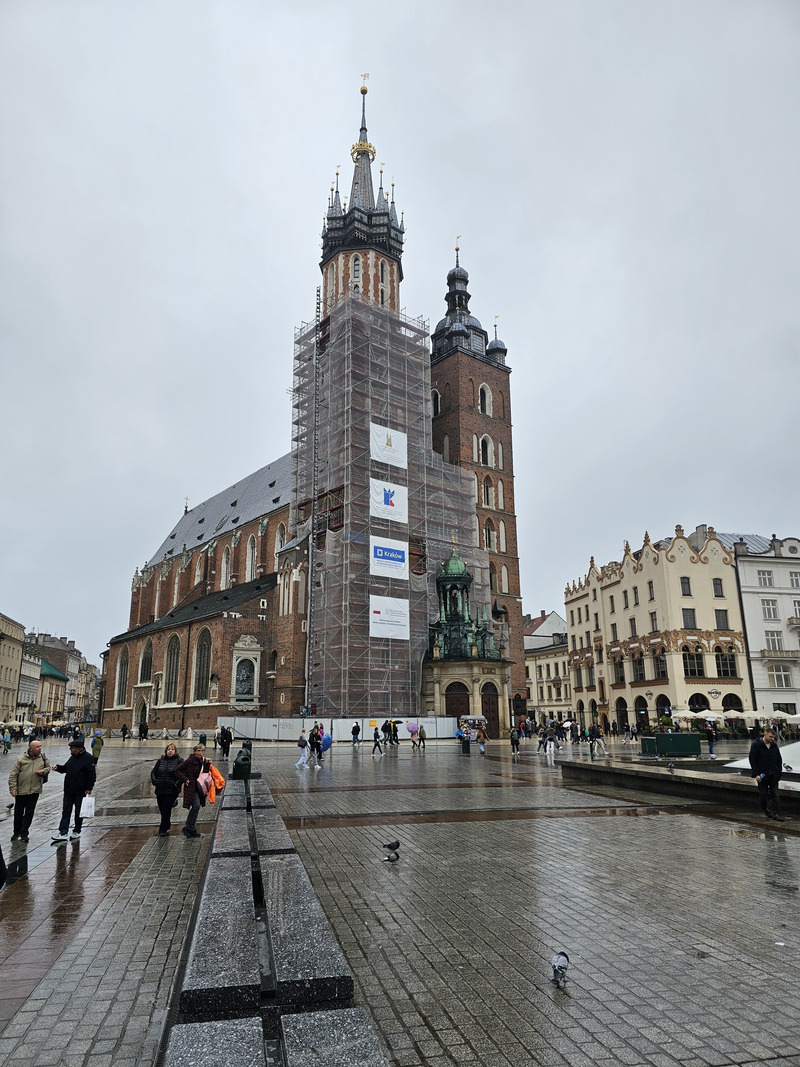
393 846
393 849
560 964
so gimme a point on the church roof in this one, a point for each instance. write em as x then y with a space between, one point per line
204 608
258 494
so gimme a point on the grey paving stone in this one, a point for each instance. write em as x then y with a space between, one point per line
272 837
232 833
233 795
260 794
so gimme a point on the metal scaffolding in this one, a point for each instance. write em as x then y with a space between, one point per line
364 364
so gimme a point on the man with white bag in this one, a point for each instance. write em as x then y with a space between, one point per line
79 780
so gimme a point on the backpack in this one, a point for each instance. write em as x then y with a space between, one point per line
302 743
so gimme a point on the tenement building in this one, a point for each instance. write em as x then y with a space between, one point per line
549 692
659 633
315 584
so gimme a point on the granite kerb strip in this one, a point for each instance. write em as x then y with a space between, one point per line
272 837
222 1043
340 1038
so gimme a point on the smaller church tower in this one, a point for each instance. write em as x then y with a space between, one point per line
472 429
362 242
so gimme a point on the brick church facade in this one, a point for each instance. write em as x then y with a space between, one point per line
224 620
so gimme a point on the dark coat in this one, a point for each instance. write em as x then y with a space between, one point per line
162 776
188 772
765 760
79 774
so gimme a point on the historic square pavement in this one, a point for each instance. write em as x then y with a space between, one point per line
680 919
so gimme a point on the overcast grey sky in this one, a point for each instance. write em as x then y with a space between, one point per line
624 176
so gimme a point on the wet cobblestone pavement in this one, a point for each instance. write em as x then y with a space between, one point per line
680 918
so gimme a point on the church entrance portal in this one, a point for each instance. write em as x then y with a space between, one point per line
489 709
456 700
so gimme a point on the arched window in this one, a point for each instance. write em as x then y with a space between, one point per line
492 578
501 496
301 593
504 579
437 405
176 585
225 578
250 569
726 662
488 495
693 666
383 272
245 679
502 533
331 283
485 400
146 664
446 448
487 452
122 677
198 569
500 455
356 268
489 542
475 452
477 489
476 529
171 670
273 660
280 541
202 665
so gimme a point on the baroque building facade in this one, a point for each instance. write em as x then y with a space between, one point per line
658 633
311 586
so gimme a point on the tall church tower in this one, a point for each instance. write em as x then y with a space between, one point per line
472 429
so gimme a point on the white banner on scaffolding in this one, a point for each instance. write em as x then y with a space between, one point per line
388 501
388 446
388 558
389 617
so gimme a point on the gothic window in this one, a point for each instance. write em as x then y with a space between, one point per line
273 660
383 272
250 569
487 492
280 541
477 490
500 455
492 578
475 453
356 269
489 542
502 533
171 670
437 407
485 400
198 569
146 665
301 593
202 666
122 676
504 579
446 448
245 679
487 452
225 579
176 585
501 496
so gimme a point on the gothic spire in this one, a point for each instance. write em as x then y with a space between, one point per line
363 153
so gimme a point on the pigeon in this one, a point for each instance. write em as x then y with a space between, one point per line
672 768
394 852
559 963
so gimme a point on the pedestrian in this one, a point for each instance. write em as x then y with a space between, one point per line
515 743
79 781
481 738
385 730
767 767
711 737
356 732
25 782
550 739
225 739
314 743
167 786
194 798
395 737
376 742
124 731
6 741
421 735
302 744
97 746
596 740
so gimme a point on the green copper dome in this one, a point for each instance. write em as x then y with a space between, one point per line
454 566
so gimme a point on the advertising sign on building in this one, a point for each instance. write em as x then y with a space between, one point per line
388 558
388 446
388 501
389 617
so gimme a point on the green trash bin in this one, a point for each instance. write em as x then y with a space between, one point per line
248 746
241 766
465 749
202 740
649 746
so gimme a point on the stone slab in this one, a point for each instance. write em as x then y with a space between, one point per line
260 795
222 973
732 790
272 837
340 1038
309 966
232 833
223 1043
233 795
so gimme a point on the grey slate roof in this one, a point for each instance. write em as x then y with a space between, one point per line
754 542
259 493
206 607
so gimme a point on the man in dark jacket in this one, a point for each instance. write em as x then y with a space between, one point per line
79 779
767 768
